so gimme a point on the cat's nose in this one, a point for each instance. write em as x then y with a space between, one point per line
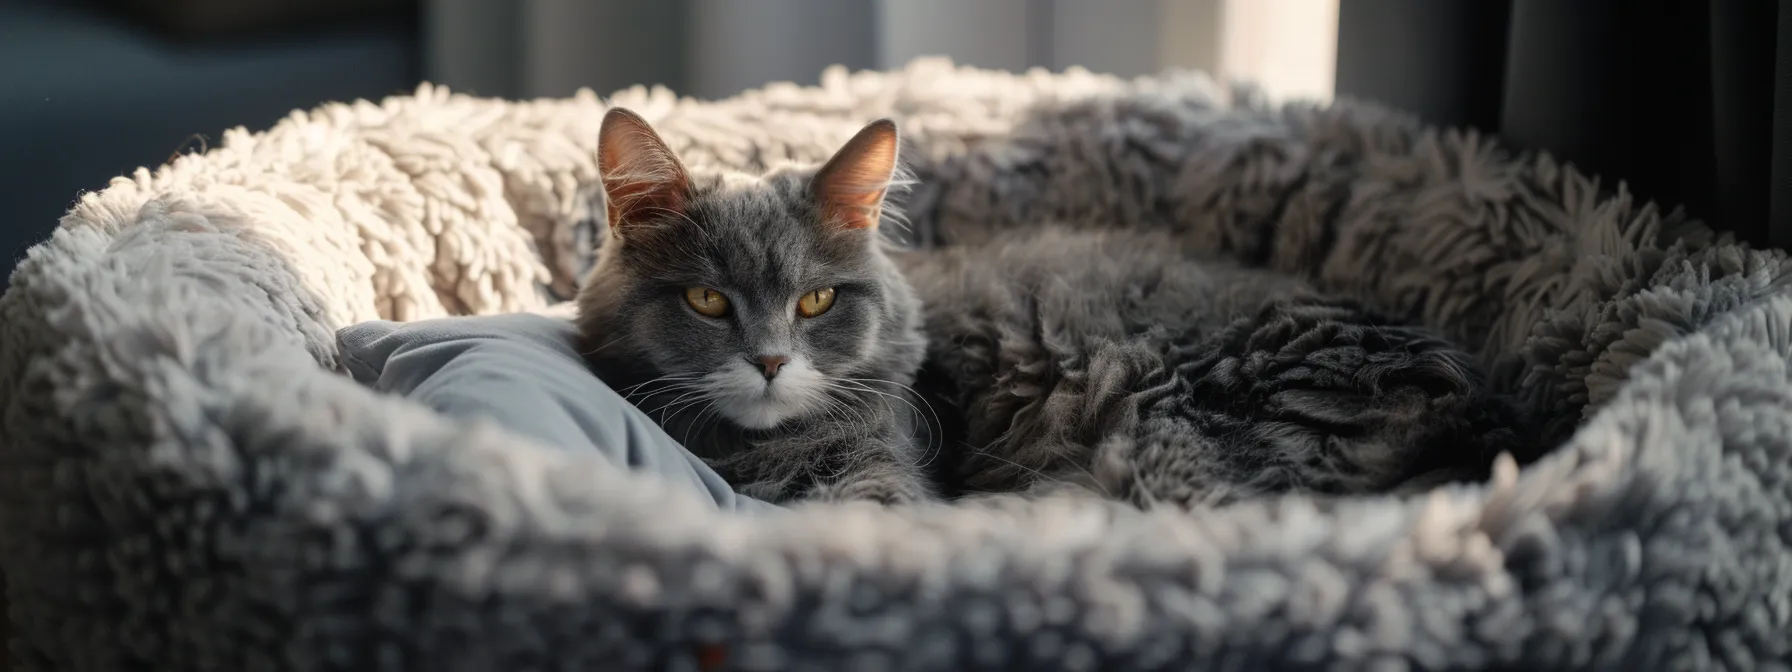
769 364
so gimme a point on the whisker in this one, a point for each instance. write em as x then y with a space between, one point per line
670 378
927 450
834 410
709 407
857 414
607 344
702 397
935 426
683 391
664 378
673 387
687 400
915 394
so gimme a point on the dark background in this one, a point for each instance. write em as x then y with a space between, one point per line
91 90
1675 97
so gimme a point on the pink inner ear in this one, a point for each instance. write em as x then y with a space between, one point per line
641 176
632 201
854 209
851 186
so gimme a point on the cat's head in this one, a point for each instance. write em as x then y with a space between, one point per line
758 295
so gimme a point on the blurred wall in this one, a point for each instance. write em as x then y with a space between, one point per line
716 48
732 45
531 48
998 34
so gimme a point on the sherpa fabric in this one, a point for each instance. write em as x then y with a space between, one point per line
524 373
190 484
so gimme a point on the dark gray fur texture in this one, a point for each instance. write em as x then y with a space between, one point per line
1111 362
852 432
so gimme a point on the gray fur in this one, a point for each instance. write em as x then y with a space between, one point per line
1111 361
762 240
186 485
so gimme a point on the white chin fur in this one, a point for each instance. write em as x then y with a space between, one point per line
745 397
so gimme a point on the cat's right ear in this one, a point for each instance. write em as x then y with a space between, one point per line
850 187
642 177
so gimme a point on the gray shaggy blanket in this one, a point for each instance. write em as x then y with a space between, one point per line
189 484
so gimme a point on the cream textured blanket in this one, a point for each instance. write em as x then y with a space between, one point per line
186 483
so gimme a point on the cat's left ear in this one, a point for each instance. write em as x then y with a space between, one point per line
850 187
642 178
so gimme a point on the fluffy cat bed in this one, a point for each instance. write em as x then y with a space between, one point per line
189 484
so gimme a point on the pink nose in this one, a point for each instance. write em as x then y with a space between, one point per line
769 364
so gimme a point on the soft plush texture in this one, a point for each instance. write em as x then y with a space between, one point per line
1108 362
189 484
522 372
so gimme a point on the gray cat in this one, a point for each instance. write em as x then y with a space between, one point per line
765 324
1109 363
759 318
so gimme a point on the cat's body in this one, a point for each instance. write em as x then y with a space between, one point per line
759 319
1103 362
1112 363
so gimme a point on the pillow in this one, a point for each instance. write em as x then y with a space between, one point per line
523 372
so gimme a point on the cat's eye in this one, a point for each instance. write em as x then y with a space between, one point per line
815 303
707 302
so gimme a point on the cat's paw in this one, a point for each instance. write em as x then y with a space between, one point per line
881 491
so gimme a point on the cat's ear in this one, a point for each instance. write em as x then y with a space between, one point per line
850 187
642 177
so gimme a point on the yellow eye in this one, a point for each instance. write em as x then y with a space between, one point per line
706 301
815 303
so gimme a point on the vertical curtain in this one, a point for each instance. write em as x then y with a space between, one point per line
1674 97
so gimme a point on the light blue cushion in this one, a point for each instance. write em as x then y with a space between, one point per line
523 372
